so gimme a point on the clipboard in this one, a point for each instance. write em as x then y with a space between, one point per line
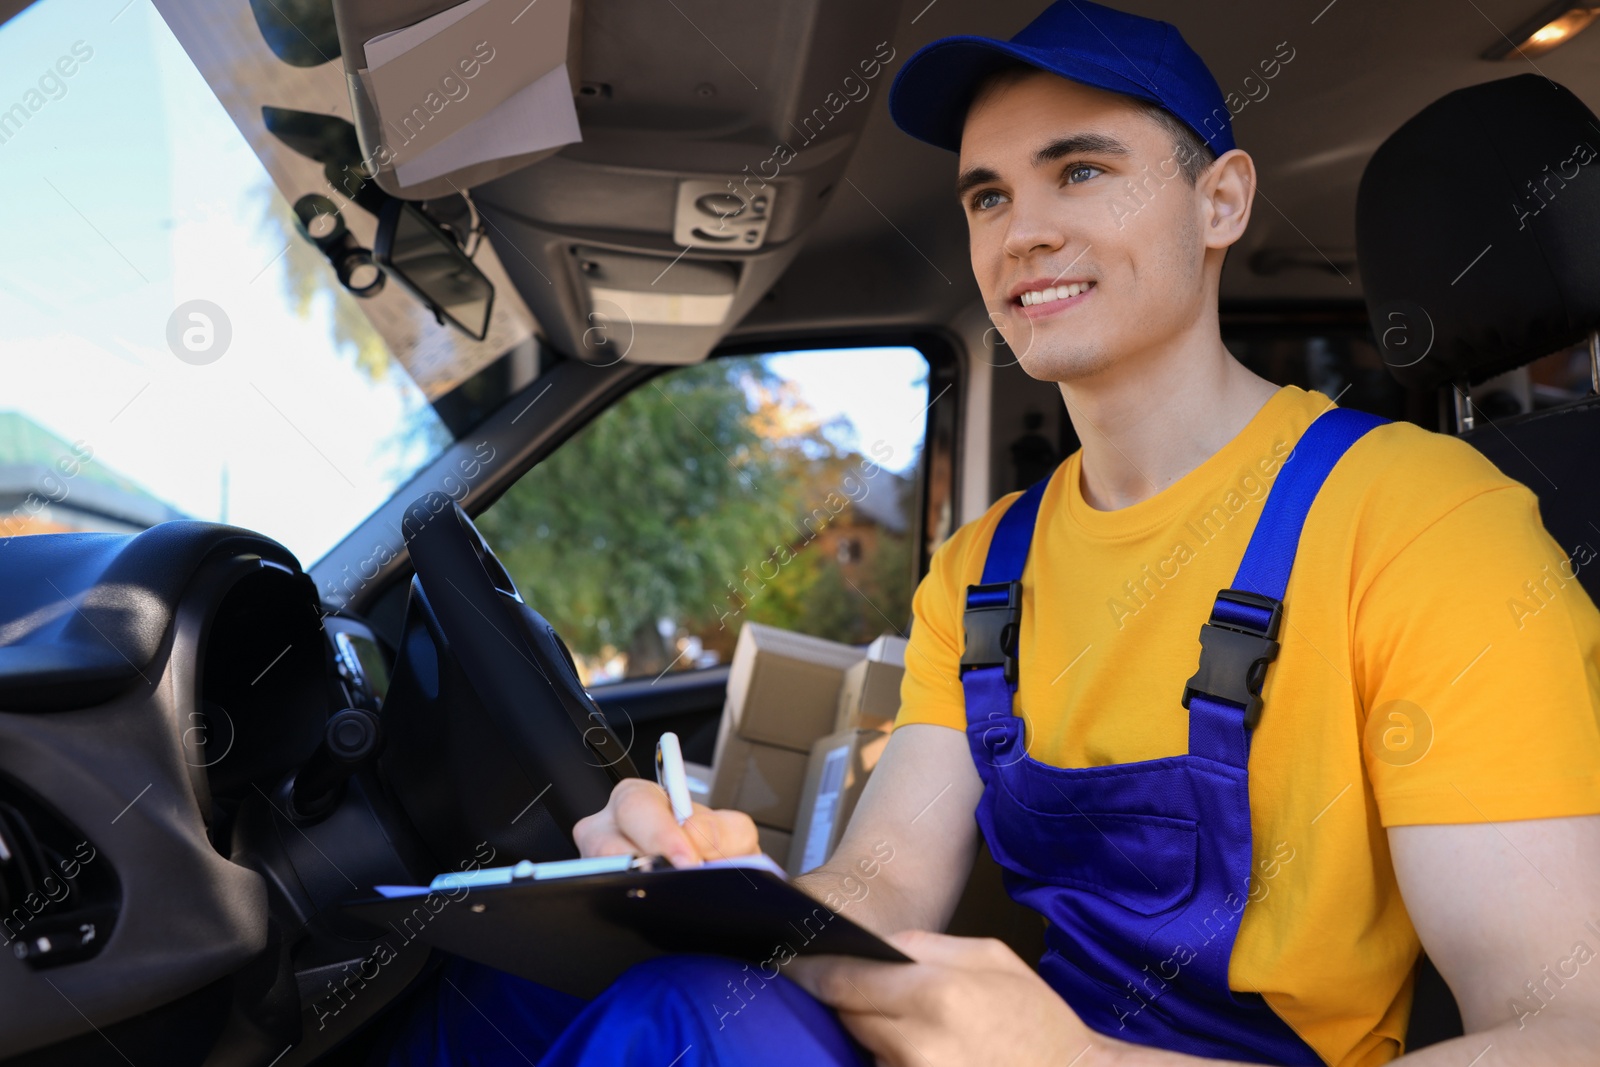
577 934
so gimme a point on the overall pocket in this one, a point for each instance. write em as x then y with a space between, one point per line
1145 863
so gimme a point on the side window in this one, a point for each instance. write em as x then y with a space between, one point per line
778 488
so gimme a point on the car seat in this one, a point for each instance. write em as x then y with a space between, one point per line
1478 241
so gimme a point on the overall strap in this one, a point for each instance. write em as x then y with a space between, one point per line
993 613
1008 548
1241 637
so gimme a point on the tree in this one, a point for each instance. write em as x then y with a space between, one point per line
709 497
649 512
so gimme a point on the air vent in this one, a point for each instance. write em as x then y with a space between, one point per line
58 895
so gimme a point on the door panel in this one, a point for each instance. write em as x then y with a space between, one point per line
689 703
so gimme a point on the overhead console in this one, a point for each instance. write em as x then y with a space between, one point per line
710 143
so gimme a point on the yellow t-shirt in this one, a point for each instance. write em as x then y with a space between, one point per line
1440 664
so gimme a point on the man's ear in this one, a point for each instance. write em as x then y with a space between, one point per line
1227 189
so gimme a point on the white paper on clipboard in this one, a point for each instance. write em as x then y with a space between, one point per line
558 869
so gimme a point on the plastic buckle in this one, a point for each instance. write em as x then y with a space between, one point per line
991 622
1234 653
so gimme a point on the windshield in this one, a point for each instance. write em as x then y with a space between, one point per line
170 347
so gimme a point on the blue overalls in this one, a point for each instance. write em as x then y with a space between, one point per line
1142 869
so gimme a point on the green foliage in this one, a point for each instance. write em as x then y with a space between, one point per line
647 513
816 596
688 501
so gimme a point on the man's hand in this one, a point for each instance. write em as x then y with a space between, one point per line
638 819
966 1000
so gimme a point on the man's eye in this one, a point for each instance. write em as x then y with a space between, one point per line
987 199
1081 172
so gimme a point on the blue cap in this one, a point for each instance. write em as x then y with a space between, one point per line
1078 40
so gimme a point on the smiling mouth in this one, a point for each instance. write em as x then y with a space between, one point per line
1053 294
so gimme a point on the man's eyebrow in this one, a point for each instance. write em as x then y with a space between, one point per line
973 177
1097 144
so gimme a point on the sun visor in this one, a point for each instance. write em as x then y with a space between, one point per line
450 95
642 304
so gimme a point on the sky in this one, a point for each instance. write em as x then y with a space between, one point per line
132 194
882 392
137 194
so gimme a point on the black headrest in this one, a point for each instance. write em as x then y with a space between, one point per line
1478 232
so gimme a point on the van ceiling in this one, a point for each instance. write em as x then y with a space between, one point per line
889 246
892 244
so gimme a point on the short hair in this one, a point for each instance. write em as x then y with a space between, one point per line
1189 150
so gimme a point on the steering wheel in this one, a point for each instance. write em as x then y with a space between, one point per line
490 736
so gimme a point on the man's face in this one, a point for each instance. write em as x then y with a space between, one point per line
1086 239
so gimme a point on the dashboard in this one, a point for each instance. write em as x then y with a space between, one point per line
164 698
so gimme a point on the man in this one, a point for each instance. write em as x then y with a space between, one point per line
1237 863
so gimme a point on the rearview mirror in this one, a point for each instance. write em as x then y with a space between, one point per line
430 263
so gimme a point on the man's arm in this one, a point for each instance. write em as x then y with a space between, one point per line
1501 907
905 857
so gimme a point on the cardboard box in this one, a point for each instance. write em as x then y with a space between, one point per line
888 648
869 696
763 781
774 843
836 773
783 688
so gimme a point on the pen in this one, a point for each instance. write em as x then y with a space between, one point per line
671 777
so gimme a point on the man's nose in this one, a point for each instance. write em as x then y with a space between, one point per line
1034 228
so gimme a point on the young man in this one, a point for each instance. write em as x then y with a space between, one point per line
1231 870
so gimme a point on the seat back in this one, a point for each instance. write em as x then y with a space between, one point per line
1478 241
1553 453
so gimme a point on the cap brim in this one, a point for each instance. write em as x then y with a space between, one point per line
934 88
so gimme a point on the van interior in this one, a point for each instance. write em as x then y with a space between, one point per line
409 405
